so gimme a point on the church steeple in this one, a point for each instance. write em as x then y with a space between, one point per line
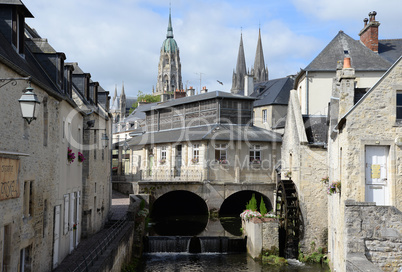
260 72
169 68
170 28
122 103
241 71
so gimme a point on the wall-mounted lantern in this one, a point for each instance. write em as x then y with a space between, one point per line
29 104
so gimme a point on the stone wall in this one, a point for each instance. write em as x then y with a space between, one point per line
308 165
261 235
376 232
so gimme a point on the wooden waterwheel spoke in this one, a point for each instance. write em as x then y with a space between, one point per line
288 210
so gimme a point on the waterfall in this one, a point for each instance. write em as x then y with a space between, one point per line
185 244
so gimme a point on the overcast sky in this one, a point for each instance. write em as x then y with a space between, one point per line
119 41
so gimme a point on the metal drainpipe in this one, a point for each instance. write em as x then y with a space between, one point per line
307 109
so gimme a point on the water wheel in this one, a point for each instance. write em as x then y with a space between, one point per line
290 219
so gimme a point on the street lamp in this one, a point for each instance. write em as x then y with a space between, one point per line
29 104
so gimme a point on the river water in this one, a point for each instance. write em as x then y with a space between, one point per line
181 246
211 262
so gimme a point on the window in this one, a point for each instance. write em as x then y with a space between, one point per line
255 154
196 153
95 143
6 248
399 105
163 152
65 225
28 198
220 153
264 116
25 259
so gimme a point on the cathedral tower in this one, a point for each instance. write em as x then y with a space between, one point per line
259 71
238 75
169 69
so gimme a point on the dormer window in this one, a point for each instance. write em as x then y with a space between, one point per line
18 32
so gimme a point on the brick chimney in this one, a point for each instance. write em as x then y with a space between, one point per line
369 33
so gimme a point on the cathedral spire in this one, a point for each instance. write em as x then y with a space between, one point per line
260 72
115 93
170 28
238 76
122 103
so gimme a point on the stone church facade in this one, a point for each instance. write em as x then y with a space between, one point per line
169 68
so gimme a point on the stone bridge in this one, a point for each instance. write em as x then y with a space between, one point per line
213 193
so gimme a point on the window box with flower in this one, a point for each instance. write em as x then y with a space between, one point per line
162 161
334 187
223 161
256 161
70 155
194 160
81 157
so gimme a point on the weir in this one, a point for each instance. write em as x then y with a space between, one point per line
188 244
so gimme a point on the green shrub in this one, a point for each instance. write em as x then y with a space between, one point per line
263 208
252 204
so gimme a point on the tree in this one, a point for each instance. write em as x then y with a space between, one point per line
252 204
141 97
263 208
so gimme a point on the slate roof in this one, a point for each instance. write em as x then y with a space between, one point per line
26 12
27 66
199 97
273 92
390 49
139 112
362 58
316 129
213 132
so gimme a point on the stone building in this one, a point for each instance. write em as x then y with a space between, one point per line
206 137
365 219
314 82
304 158
270 106
42 193
304 147
169 68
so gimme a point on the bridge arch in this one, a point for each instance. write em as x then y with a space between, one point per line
236 202
179 212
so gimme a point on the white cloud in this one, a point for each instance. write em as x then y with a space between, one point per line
120 40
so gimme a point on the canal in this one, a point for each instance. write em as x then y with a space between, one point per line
211 262
182 237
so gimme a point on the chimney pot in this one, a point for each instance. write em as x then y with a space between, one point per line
346 63
365 21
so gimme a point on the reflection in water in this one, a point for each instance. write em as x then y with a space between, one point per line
179 225
211 262
195 226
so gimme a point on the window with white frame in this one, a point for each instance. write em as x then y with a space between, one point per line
163 155
196 153
255 154
221 153
264 116
399 105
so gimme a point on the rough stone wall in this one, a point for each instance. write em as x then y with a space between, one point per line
35 230
375 231
308 165
261 235
371 122
96 177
